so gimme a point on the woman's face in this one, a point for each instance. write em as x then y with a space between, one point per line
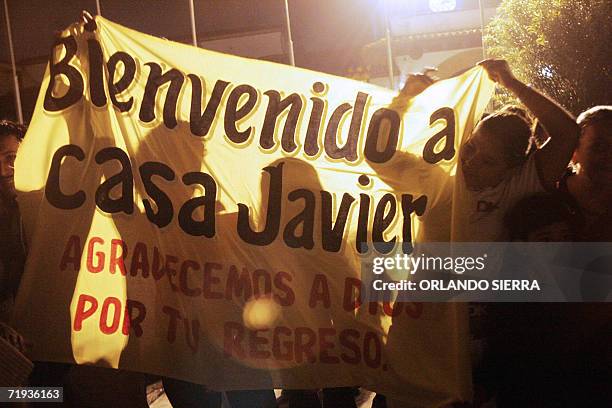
482 160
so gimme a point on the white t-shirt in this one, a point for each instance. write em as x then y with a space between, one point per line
479 215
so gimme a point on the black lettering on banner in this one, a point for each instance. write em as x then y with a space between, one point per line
349 150
311 143
125 178
234 114
273 214
409 206
53 192
275 107
154 82
200 122
381 223
448 133
371 144
331 132
165 211
362 224
96 73
62 67
305 218
332 233
206 227
115 88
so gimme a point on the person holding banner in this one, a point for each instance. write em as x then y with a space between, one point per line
494 161
496 166
499 168
574 364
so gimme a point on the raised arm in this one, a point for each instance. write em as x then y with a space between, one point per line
552 159
402 162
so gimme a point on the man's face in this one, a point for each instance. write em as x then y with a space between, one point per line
8 152
594 153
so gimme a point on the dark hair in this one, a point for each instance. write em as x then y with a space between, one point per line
595 114
512 124
540 210
518 111
8 127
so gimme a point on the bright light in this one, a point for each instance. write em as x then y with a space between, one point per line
547 72
260 313
442 5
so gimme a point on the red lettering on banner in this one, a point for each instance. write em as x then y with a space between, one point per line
279 283
258 276
131 321
192 334
348 339
192 328
174 316
157 270
116 316
170 271
305 339
352 294
217 281
255 341
319 292
99 256
183 279
371 342
325 346
118 254
238 286
140 260
111 307
82 312
278 345
72 254
210 280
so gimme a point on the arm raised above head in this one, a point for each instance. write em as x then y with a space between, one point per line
552 159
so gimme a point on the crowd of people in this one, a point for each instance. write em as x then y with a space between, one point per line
533 173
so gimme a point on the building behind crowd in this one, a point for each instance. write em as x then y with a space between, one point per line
340 37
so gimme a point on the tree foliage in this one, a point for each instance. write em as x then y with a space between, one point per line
563 47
